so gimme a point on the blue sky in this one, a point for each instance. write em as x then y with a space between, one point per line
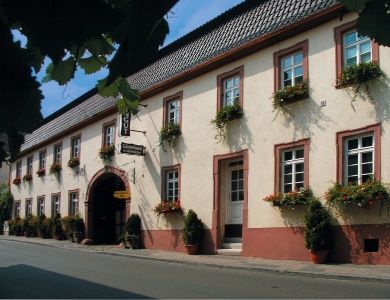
186 16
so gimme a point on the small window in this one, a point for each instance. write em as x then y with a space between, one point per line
293 166
359 159
17 210
357 49
109 135
292 69
231 91
171 179
41 206
55 204
73 203
42 160
28 210
29 165
371 245
174 111
75 147
19 169
58 154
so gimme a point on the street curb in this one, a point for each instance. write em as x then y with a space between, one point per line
220 266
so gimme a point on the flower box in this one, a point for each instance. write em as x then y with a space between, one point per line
360 73
225 115
55 169
16 181
27 178
169 135
74 162
41 172
167 207
106 153
291 199
289 94
363 195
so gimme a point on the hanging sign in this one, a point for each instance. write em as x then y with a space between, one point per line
125 124
132 149
121 194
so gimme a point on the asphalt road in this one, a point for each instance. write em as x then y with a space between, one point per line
33 271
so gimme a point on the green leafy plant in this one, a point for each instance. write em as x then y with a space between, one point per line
56 226
6 203
318 228
169 135
357 77
55 169
167 207
44 227
27 178
29 226
363 195
73 228
133 228
193 228
225 115
16 181
41 172
106 153
74 162
303 196
15 227
283 96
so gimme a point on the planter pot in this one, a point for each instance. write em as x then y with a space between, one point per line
192 249
318 257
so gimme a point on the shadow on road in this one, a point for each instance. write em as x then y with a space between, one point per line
23 281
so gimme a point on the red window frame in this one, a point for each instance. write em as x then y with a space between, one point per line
166 100
222 77
164 172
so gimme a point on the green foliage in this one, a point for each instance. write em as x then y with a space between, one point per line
225 115
56 226
106 153
133 225
74 162
318 228
55 169
193 228
44 227
29 226
27 178
133 235
15 227
302 196
6 203
73 228
357 74
281 97
374 18
363 195
169 135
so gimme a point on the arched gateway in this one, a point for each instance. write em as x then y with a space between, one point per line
105 215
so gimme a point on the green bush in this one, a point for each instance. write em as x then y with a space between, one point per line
6 203
17 226
359 73
56 227
133 228
44 227
73 228
318 228
291 199
11 227
193 228
225 115
170 134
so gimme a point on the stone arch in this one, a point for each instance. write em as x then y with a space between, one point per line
88 199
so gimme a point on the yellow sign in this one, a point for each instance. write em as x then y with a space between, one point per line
121 194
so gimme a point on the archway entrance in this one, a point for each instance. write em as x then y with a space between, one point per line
106 215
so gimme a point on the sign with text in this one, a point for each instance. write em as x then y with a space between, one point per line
125 125
121 194
132 149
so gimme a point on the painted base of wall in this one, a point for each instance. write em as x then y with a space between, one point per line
288 243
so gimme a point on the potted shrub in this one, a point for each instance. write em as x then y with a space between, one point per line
133 228
106 153
55 169
289 94
225 115
303 196
68 225
27 226
16 181
318 232
44 227
56 225
192 232
41 172
11 227
78 229
169 135
73 163
17 227
27 178
167 207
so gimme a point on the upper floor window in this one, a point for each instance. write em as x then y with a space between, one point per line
230 88
172 109
73 202
28 210
58 154
41 206
109 134
171 178
17 209
42 160
75 147
357 49
55 204
19 169
359 155
29 165
291 65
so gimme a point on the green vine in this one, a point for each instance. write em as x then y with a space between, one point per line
224 115
283 96
106 153
169 135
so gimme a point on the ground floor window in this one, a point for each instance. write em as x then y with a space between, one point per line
28 210
73 202
171 183
55 204
41 206
17 209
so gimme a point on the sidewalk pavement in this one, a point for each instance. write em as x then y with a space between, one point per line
375 273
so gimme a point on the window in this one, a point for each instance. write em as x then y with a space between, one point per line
28 210
291 65
73 202
19 169
29 165
230 88
291 166
17 209
358 155
352 49
55 204
171 183
58 154
172 109
42 160
109 134
41 206
75 146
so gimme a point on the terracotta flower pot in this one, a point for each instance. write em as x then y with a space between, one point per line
318 257
192 249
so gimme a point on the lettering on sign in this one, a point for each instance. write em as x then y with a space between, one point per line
132 149
125 125
121 194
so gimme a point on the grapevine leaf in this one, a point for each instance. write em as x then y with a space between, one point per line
354 5
126 90
63 71
90 64
99 46
108 91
